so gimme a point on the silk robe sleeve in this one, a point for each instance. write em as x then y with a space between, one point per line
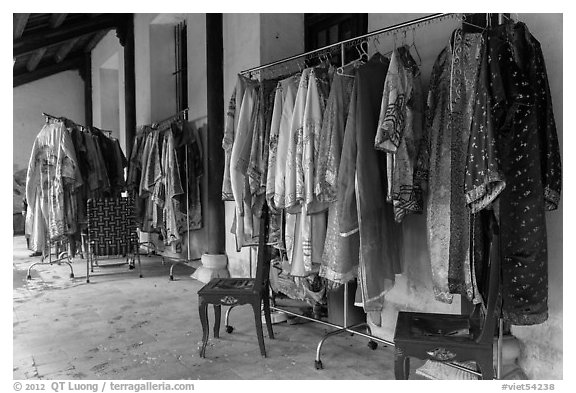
347 207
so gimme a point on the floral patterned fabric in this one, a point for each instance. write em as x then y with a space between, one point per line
52 177
442 162
400 131
530 158
463 86
330 138
284 99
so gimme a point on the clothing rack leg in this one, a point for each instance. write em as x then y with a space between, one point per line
499 348
345 329
63 257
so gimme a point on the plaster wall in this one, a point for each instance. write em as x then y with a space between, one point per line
61 94
108 87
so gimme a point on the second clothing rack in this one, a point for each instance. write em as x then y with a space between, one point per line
345 328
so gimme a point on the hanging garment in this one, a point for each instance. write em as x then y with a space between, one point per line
316 97
98 182
150 164
135 174
51 179
484 178
143 189
188 149
81 193
245 228
294 179
463 85
172 189
306 221
275 233
400 131
230 131
258 162
114 161
330 139
530 158
297 220
362 187
443 160
279 133
152 178
340 255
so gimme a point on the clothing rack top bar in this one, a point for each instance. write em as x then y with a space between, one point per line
61 118
183 113
398 26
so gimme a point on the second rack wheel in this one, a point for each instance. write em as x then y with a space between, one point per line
229 329
318 364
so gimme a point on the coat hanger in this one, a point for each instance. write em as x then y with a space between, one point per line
362 49
413 45
362 58
481 28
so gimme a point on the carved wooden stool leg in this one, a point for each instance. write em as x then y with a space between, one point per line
267 316
401 365
217 316
486 366
203 310
258 320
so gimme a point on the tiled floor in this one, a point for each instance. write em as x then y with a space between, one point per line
120 326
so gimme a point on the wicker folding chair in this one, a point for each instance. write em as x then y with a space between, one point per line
111 231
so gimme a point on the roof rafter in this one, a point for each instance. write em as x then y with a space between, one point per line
48 37
44 70
34 60
56 20
95 40
65 49
20 21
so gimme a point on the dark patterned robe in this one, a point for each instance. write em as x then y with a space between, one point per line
530 159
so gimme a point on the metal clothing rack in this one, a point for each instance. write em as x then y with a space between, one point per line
62 256
183 115
345 328
83 128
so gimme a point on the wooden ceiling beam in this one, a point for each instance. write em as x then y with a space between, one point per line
34 60
95 40
46 69
20 21
49 36
56 20
64 50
